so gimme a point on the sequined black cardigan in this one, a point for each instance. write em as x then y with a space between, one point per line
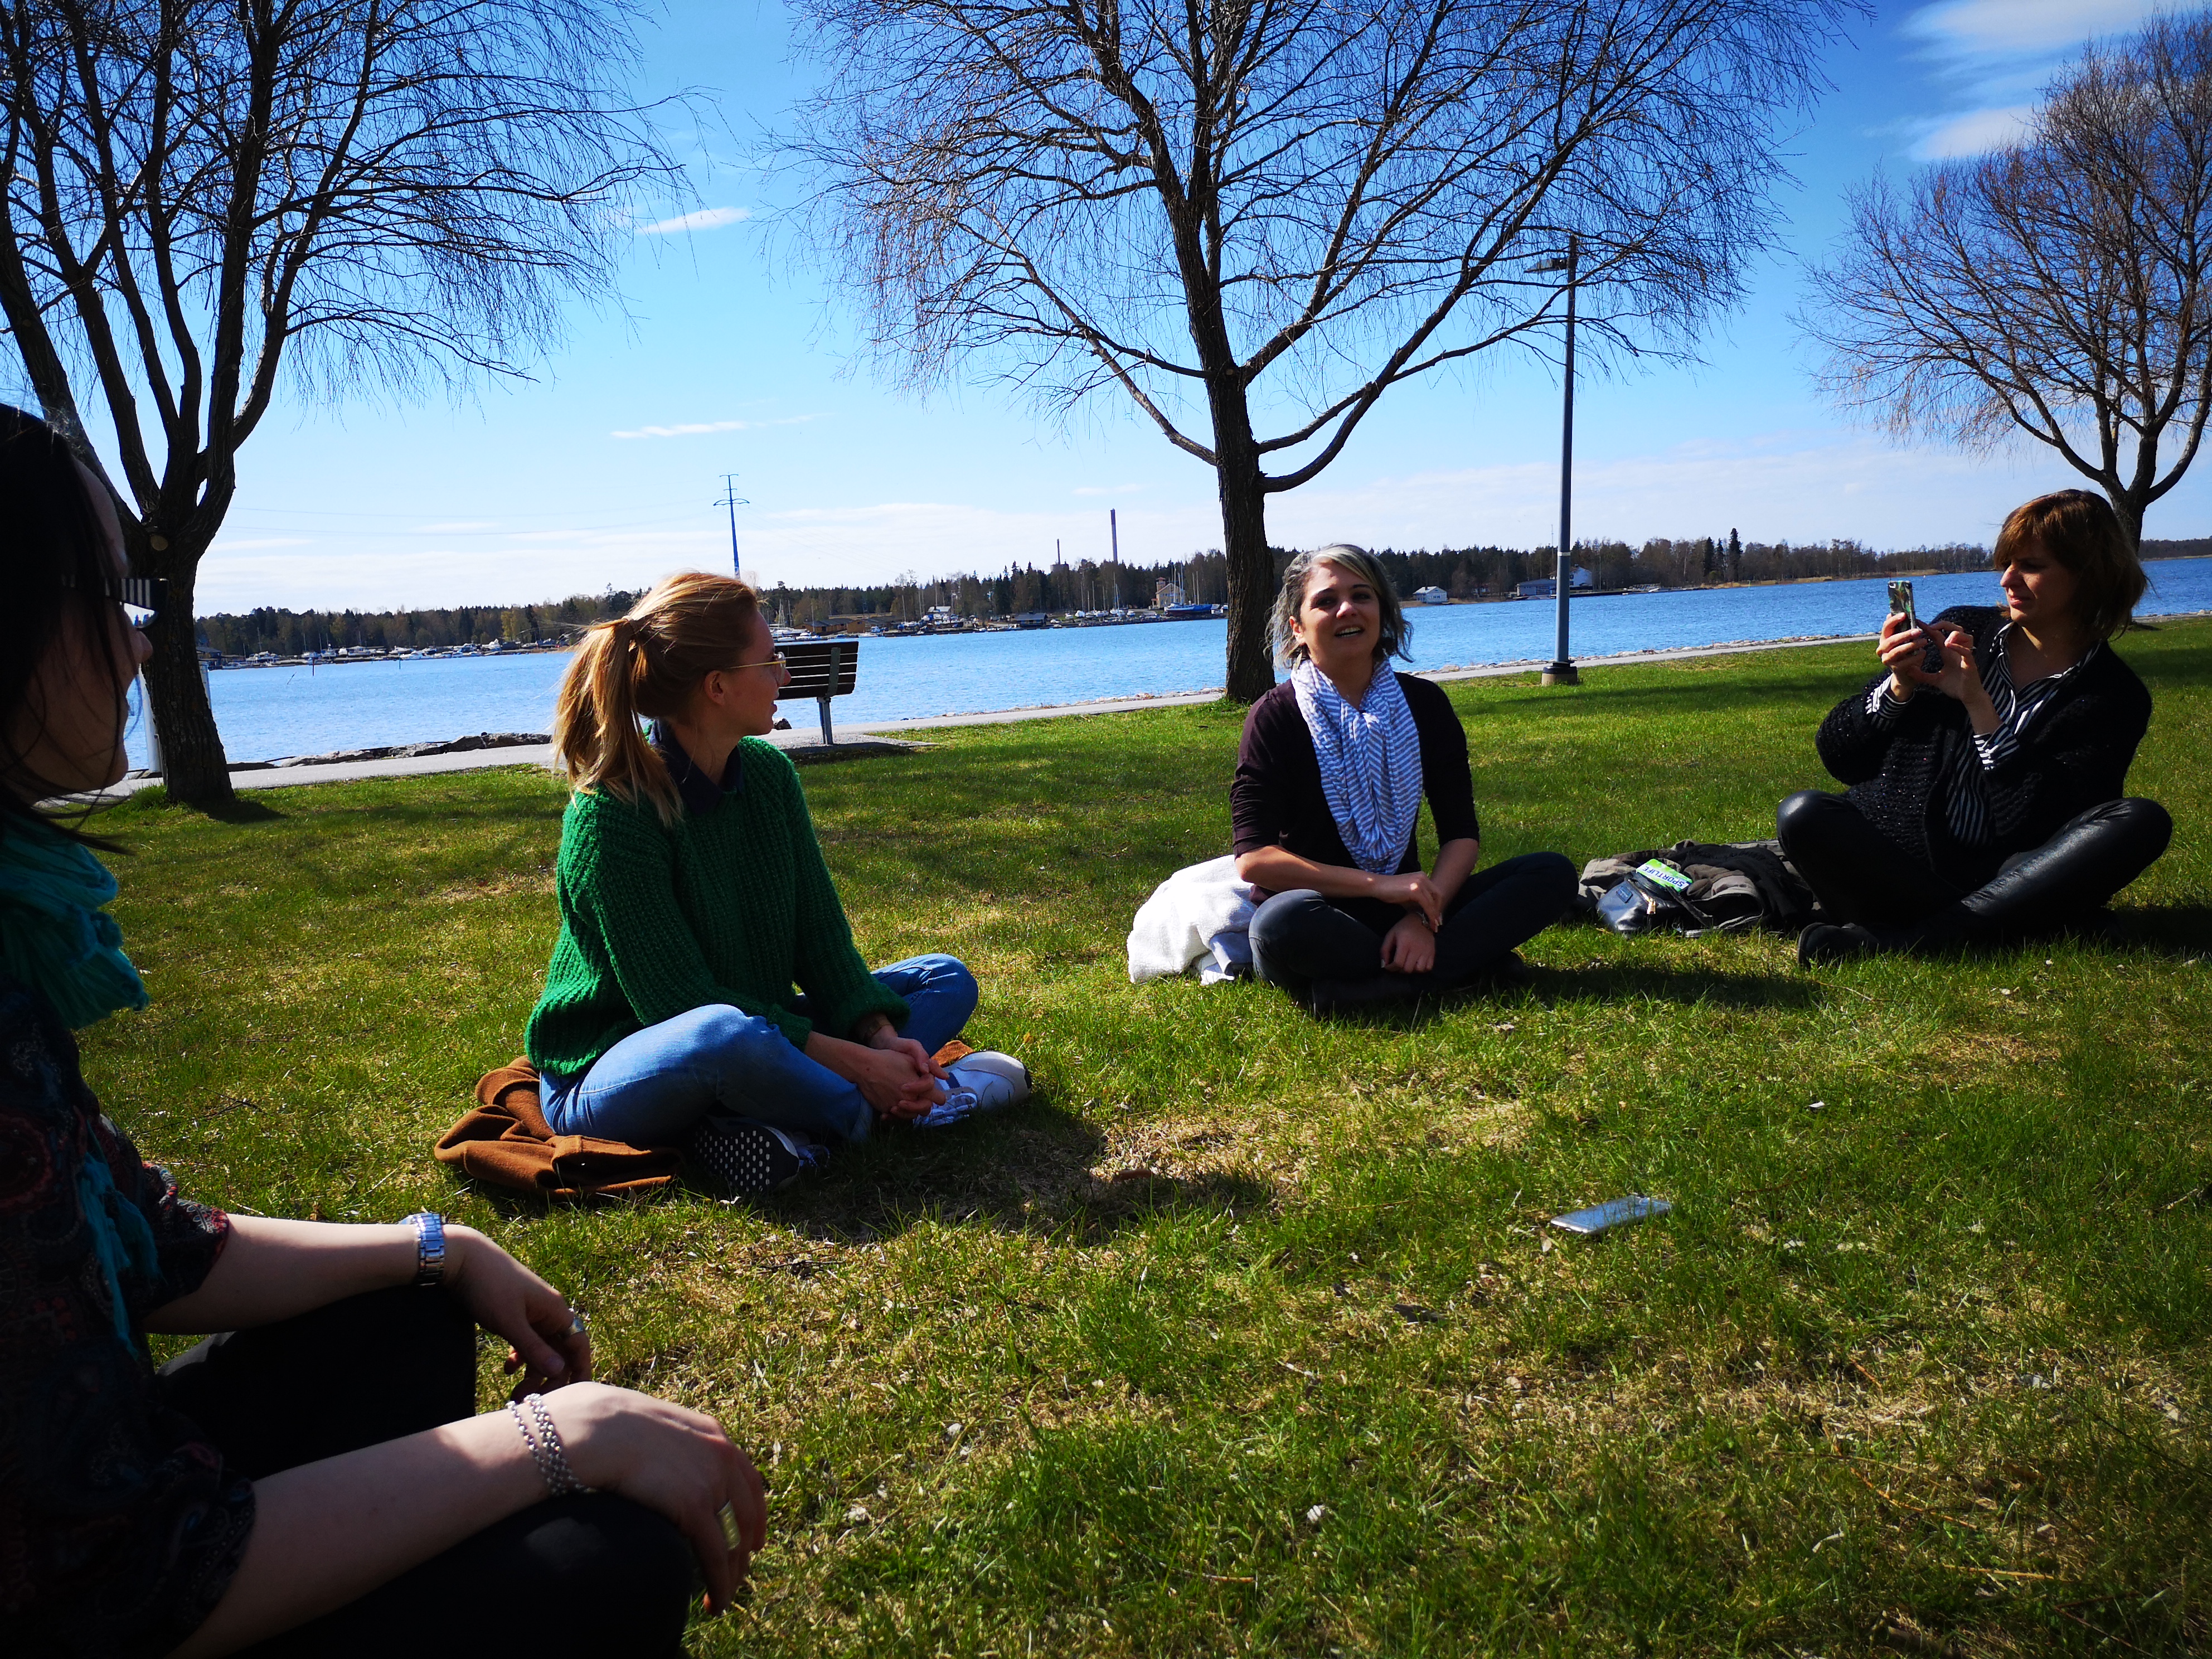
2075 755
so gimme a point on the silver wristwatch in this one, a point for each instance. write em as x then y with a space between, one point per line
430 1246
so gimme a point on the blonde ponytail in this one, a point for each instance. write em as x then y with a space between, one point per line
645 666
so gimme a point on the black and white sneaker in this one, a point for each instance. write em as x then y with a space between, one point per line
743 1159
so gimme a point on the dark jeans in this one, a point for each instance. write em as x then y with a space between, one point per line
1299 937
588 1574
1861 875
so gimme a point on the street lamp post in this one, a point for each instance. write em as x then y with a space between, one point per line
1563 671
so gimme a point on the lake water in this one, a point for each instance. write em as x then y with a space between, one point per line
268 713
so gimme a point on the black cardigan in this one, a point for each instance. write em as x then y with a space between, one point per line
1276 799
2073 756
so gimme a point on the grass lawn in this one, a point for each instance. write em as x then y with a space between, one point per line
1248 1335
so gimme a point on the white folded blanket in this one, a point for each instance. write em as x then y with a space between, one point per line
1200 915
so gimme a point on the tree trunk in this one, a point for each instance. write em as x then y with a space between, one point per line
1251 566
2127 508
193 765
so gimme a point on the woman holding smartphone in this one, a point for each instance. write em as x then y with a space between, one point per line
1986 764
315 1478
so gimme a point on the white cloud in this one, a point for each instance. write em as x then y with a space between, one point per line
693 428
705 219
1106 489
457 527
1974 133
1986 29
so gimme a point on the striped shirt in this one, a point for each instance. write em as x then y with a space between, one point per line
1966 811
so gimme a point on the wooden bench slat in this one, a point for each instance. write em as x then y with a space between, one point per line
820 668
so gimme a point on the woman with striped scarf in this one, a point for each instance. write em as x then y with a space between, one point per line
1330 777
1985 798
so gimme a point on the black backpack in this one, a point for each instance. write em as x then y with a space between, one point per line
1697 887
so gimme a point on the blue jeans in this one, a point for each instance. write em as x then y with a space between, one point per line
650 1088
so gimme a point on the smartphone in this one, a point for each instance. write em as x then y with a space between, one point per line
1615 1213
1900 603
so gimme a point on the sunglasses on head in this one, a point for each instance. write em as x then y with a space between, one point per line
141 597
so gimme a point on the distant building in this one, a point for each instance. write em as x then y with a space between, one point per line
1432 596
1545 587
1165 593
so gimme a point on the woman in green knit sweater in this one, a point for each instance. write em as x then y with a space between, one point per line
694 899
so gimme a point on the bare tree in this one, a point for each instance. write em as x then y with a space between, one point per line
2058 288
200 193
1244 211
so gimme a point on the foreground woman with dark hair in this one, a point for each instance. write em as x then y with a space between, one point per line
1986 794
1328 793
315 1479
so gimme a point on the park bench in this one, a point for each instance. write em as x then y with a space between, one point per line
820 669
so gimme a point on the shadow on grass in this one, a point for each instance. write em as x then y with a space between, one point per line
1553 987
242 808
1032 1172
2177 929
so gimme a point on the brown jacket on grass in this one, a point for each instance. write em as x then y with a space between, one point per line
505 1142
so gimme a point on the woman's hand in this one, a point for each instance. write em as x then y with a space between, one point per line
508 1300
1415 890
1409 947
676 1462
898 1078
1903 649
1960 677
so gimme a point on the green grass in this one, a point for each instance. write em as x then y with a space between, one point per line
1925 1369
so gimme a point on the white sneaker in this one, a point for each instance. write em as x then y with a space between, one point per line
984 1081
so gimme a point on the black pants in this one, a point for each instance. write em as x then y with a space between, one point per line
587 1575
1861 876
1299 937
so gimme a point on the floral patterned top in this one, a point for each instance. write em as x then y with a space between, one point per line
119 1525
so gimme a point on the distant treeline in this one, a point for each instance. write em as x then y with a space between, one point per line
1463 573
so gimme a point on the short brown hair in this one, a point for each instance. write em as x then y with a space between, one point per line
2078 528
1394 629
645 666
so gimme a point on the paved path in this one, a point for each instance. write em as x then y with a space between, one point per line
288 777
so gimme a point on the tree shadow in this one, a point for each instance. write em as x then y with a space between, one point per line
241 809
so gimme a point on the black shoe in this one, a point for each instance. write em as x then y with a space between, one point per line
1823 943
743 1159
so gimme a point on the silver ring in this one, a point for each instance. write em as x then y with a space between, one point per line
728 1518
576 1326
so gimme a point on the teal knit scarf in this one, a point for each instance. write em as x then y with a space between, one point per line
54 935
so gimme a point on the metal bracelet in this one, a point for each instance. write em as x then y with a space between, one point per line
530 1439
560 1479
430 1246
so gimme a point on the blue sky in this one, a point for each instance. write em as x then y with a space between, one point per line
605 469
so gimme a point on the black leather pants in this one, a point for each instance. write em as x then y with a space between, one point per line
1861 876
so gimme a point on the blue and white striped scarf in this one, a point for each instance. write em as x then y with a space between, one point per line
1370 764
